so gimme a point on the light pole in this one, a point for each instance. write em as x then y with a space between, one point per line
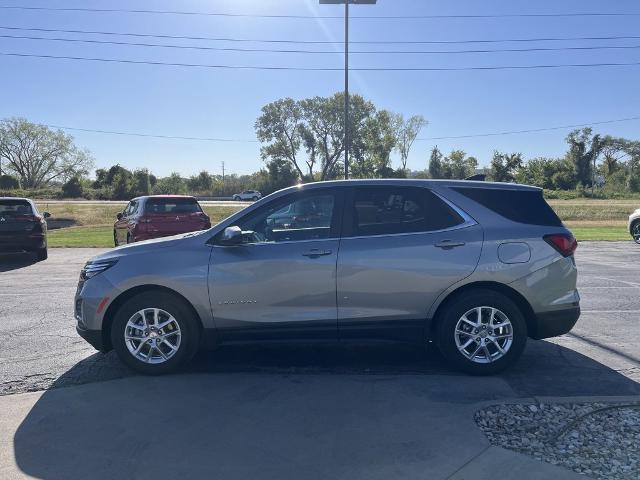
347 136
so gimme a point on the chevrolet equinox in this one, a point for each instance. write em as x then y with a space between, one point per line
474 267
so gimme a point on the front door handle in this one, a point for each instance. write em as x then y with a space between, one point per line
448 244
315 253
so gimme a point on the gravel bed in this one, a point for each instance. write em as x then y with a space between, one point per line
600 440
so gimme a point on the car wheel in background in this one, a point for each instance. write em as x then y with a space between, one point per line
128 238
635 231
236 198
255 199
42 254
155 333
115 239
481 332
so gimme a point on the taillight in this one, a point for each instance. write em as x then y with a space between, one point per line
564 243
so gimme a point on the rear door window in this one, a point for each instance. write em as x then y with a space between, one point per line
392 210
171 206
522 206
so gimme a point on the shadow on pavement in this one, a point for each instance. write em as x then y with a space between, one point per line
295 411
15 261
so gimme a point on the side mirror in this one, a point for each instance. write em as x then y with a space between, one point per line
231 236
119 215
46 215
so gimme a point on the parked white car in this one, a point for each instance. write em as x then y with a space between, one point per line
634 225
248 195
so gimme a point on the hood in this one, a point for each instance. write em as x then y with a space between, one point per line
147 246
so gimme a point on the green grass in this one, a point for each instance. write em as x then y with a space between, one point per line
594 232
91 236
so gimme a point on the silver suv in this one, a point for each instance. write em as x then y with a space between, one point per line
474 267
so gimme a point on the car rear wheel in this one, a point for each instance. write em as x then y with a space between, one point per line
115 239
42 254
255 199
635 231
155 333
481 332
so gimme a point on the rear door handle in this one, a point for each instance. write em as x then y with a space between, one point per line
448 244
315 253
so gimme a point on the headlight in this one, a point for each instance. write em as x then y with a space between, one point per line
91 269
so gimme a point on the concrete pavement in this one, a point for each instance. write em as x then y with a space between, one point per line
259 426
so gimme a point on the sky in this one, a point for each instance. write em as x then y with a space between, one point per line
224 103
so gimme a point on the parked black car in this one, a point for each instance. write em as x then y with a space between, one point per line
22 228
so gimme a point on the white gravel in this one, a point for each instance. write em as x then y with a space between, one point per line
600 440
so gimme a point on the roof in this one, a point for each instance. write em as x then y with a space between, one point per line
145 197
419 182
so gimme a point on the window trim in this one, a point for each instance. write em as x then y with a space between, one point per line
347 218
335 228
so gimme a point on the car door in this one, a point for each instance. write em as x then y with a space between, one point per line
401 247
281 281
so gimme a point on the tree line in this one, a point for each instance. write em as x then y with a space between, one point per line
303 141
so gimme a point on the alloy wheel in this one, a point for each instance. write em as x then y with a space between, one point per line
635 232
483 334
152 336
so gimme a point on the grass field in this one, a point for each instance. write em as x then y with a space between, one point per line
78 225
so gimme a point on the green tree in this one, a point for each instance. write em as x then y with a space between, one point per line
458 166
203 182
436 169
406 133
279 126
121 185
504 166
584 148
72 188
141 182
7 182
38 155
174 184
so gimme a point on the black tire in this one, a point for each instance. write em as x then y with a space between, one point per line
128 238
236 198
115 239
255 199
41 254
189 328
453 311
635 227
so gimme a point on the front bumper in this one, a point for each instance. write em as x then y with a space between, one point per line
93 337
553 324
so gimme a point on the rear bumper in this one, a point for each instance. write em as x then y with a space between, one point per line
22 243
553 324
93 337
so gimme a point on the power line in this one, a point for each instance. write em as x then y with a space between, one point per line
322 42
210 139
149 135
325 17
322 69
534 130
357 52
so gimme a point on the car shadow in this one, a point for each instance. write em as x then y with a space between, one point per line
15 261
227 414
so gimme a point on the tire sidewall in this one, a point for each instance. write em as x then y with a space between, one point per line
634 225
189 329
465 302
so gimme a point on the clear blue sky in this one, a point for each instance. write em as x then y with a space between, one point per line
225 103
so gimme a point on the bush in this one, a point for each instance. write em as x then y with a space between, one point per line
7 182
72 188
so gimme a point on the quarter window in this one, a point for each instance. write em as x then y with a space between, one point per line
304 218
391 210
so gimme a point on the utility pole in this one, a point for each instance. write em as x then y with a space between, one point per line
347 133
223 175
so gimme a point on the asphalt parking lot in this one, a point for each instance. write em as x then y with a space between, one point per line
39 348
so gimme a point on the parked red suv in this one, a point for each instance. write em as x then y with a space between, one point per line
158 216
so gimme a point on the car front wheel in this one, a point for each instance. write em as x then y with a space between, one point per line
481 332
155 333
635 231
